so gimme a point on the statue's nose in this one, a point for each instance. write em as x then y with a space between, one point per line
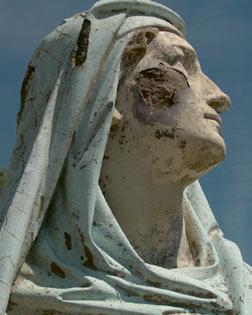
219 103
215 98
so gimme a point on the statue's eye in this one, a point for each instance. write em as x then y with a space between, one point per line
186 60
190 61
158 86
174 59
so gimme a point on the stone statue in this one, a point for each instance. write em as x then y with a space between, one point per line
2 181
102 212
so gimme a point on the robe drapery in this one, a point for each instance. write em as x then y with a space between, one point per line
59 239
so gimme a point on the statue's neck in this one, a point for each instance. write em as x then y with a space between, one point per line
150 214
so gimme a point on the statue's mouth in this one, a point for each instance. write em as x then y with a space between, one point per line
214 117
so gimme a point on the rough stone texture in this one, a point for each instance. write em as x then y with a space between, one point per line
102 212
80 53
158 86
2 180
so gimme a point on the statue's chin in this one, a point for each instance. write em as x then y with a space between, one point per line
217 148
212 154
200 159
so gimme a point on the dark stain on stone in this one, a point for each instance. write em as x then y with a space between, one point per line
90 259
11 305
89 262
79 56
25 90
154 284
150 35
156 299
161 300
133 57
155 90
130 292
74 138
195 252
183 144
57 270
109 236
114 128
76 214
165 133
83 166
158 86
134 51
136 48
68 241
42 201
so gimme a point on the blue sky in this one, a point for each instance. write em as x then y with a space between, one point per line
220 31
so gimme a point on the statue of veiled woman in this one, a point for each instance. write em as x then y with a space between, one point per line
102 212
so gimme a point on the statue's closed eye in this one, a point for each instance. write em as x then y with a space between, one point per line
158 86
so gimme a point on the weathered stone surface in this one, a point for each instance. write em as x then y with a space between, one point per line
102 212
2 179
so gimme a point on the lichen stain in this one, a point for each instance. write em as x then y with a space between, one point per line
89 262
165 133
136 48
25 90
57 270
133 56
128 291
154 284
68 241
79 55
156 299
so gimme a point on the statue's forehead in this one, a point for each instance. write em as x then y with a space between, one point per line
167 41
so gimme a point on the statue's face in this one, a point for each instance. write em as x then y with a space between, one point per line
172 111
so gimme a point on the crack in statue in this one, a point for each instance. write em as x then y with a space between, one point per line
101 211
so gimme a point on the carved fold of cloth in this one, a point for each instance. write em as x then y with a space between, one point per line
62 251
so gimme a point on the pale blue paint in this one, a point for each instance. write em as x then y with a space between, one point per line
221 33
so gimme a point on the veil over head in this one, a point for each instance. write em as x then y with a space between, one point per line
55 221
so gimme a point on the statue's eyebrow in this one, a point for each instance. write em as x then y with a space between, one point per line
182 49
187 49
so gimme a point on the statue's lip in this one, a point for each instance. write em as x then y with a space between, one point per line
212 116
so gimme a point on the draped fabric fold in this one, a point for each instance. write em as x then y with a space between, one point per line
59 238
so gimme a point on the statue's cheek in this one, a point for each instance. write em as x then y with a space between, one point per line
155 92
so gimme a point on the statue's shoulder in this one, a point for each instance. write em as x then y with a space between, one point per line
248 288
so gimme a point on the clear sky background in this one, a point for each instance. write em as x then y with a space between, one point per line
220 31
